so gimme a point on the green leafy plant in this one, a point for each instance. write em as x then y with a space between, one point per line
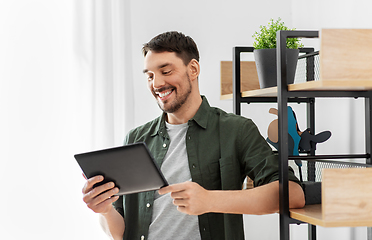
266 37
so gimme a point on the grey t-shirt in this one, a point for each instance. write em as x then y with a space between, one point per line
167 222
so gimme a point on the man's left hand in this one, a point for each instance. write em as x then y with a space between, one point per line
189 197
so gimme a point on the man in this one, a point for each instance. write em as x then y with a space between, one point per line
204 154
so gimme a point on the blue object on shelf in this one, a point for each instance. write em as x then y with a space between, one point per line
292 131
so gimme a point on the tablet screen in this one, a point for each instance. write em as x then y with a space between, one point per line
131 167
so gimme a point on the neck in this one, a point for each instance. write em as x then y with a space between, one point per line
186 112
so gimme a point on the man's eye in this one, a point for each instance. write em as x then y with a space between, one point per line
149 77
166 72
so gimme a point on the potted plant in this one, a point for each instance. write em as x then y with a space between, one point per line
265 53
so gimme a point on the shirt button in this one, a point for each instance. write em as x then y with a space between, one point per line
142 237
148 205
164 145
193 166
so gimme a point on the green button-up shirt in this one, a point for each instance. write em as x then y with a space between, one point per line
222 150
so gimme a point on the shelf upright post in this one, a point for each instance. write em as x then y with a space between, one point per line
311 165
281 56
310 108
237 96
368 128
311 124
236 81
368 125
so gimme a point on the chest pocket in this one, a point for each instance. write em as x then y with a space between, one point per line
230 170
230 174
214 177
224 173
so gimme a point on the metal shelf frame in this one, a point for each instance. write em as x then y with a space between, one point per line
308 97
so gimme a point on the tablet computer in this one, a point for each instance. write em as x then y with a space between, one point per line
131 167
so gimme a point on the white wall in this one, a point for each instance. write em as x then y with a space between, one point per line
42 125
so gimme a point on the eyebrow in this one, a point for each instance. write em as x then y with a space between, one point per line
159 67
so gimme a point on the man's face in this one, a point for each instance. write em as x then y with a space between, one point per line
167 79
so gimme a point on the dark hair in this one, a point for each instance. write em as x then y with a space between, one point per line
184 46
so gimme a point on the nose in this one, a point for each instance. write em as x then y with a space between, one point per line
158 81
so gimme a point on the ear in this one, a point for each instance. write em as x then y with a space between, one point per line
193 69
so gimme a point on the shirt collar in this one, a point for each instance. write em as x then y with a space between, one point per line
160 126
201 118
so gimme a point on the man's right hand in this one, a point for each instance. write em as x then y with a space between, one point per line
100 198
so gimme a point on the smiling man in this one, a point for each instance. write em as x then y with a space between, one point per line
173 80
204 153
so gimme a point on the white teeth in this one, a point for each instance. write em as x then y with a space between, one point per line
164 94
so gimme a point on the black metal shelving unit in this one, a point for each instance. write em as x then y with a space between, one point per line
283 98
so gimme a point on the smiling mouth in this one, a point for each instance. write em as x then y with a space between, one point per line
164 94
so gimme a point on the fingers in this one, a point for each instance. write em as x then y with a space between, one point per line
189 197
100 198
93 200
180 203
90 183
180 195
103 191
103 207
165 190
174 188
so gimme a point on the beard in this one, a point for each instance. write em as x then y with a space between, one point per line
180 97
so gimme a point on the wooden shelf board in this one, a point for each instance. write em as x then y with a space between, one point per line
310 214
313 214
264 92
226 96
329 85
332 85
